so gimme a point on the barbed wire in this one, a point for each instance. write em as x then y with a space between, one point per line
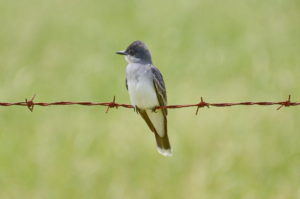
30 104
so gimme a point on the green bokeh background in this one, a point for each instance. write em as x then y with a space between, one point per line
225 51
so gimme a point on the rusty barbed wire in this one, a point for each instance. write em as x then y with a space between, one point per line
30 104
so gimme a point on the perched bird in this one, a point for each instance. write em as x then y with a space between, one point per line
147 90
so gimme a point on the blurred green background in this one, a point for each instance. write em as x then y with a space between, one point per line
225 51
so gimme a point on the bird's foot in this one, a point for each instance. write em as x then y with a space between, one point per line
136 109
154 109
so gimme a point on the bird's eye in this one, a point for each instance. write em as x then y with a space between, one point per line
131 52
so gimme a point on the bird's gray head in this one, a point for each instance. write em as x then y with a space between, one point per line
137 52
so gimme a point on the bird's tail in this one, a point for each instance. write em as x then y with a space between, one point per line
163 145
157 122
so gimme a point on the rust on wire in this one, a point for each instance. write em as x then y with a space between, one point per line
30 104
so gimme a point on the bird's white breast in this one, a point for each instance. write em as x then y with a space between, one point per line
140 86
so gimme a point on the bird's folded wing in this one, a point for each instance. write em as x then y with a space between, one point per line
160 88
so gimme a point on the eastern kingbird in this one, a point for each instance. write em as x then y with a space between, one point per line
147 90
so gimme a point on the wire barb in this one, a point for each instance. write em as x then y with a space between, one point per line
201 104
30 103
112 104
286 103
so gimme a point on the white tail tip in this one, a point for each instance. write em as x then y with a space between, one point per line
165 152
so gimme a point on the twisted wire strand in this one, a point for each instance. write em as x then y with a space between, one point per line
30 104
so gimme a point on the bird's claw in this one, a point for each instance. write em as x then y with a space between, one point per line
136 109
154 109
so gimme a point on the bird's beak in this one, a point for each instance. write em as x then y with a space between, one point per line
121 53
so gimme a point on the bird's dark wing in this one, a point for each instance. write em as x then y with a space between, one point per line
160 88
126 83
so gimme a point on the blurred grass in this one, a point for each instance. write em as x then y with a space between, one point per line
223 51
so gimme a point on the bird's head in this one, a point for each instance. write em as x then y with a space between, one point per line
137 52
